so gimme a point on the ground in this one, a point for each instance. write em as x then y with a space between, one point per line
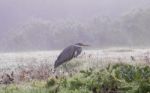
34 69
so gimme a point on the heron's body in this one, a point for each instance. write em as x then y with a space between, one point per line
67 54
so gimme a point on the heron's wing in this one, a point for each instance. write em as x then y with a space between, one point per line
65 55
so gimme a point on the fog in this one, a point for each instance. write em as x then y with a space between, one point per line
14 12
25 23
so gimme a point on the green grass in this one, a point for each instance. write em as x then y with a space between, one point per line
118 78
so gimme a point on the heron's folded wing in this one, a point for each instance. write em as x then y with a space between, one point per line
65 55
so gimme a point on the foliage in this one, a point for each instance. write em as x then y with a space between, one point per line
118 78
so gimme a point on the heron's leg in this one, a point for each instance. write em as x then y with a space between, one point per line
66 67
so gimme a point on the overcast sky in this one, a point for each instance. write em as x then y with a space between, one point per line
14 12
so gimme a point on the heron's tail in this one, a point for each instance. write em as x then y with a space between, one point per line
56 64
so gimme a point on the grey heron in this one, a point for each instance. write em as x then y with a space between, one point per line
69 53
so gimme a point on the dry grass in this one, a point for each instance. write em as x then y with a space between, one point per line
39 65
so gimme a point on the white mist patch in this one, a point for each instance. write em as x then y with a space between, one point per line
12 61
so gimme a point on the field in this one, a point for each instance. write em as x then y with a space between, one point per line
32 72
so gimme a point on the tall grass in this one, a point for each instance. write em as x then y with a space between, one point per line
117 78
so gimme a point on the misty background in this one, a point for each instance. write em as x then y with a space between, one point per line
32 25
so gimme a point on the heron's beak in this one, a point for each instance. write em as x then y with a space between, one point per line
85 45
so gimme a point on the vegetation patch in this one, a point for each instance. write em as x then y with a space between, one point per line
118 78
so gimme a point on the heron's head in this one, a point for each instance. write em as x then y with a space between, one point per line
81 44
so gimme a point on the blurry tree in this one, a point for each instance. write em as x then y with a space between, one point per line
131 29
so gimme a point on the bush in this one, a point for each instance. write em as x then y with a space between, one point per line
118 78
